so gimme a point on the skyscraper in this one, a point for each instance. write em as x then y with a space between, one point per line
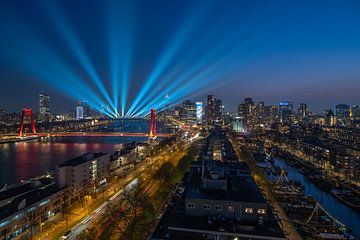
342 112
199 112
44 107
303 110
246 110
189 112
79 113
285 111
214 109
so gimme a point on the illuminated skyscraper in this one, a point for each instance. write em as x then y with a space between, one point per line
237 125
285 111
303 110
246 110
214 109
44 107
79 113
342 112
189 112
199 112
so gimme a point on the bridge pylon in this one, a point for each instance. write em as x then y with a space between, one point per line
152 131
27 112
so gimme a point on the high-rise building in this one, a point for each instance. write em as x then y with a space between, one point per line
79 110
238 125
199 112
303 110
246 110
87 110
285 111
342 112
44 107
214 109
189 112
241 109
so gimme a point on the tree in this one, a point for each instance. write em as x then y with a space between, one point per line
123 216
87 234
164 173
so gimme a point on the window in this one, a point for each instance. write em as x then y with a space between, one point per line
248 210
207 206
218 207
261 211
231 208
190 205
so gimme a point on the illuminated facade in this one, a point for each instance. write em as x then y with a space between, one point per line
189 112
214 109
44 107
84 171
199 112
285 111
79 112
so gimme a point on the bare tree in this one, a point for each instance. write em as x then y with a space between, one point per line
123 216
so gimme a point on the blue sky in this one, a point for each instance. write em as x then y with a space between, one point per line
127 55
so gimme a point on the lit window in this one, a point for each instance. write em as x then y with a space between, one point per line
207 206
231 208
218 207
261 211
190 205
248 210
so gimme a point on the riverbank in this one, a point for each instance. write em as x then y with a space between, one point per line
347 194
14 139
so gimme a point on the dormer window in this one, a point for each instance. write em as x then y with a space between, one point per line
207 206
248 210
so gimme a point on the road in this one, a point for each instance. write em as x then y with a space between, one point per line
142 171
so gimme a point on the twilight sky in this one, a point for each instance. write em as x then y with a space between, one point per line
128 55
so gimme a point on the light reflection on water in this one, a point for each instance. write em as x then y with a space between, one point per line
23 160
338 210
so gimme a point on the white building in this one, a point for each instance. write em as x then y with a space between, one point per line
87 170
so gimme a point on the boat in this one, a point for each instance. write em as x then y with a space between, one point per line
347 197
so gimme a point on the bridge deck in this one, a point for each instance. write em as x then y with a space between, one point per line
97 134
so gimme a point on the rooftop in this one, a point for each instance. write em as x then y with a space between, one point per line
240 188
82 159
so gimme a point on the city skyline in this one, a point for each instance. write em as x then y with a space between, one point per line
157 119
269 51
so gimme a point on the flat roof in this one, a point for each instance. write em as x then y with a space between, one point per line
241 188
82 159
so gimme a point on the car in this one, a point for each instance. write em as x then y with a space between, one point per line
67 235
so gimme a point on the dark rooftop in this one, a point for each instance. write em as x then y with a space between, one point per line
81 159
240 188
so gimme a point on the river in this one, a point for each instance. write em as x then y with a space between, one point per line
24 160
344 214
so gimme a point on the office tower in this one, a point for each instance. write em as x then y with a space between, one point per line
303 110
273 114
214 109
238 125
241 109
44 107
246 110
79 110
189 112
342 112
87 110
199 112
285 111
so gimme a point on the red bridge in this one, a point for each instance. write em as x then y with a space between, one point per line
152 133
